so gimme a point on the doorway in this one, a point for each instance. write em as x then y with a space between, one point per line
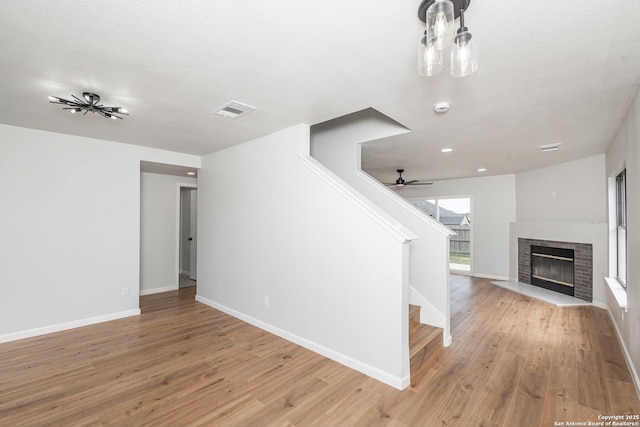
188 237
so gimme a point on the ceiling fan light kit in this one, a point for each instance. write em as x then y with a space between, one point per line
89 103
438 16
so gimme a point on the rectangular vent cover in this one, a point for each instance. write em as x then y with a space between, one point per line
234 109
549 147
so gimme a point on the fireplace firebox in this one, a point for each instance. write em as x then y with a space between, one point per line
582 265
553 268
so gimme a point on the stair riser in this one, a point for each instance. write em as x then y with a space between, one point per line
414 314
420 362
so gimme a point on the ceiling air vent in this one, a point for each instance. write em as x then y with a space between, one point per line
549 147
234 109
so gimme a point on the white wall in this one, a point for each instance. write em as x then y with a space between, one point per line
493 208
569 192
625 152
159 219
302 255
565 202
69 229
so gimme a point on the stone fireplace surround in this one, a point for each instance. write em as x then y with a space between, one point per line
583 261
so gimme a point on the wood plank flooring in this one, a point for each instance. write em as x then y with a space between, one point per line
514 361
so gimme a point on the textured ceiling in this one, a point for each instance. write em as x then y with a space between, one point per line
549 72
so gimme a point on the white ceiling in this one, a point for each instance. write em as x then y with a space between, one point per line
164 169
550 71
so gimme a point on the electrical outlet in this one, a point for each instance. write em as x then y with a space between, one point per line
266 300
125 291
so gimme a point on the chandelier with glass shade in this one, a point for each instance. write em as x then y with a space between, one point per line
439 17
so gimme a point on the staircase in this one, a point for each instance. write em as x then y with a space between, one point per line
425 343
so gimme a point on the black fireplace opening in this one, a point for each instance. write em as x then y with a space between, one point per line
553 268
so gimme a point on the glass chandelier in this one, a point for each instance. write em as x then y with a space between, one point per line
438 16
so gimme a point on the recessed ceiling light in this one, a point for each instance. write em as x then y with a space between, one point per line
441 107
191 173
446 150
482 169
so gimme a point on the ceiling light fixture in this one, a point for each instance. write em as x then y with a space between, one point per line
482 169
446 150
441 107
191 173
438 16
89 103
400 180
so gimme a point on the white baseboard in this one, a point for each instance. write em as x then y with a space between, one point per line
446 340
157 290
29 333
394 381
627 355
600 305
491 276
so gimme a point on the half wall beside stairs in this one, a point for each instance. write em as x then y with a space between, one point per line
288 246
336 144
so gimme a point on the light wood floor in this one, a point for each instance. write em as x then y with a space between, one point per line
513 362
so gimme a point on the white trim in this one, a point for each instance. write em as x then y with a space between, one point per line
446 340
627 355
491 276
67 325
429 314
394 381
158 290
445 231
600 305
179 185
395 229
618 292
460 272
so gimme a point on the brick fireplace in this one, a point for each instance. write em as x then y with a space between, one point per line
582 260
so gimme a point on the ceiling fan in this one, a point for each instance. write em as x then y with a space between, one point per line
400 182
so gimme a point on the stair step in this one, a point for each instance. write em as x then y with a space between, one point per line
425 344
414 313
420 336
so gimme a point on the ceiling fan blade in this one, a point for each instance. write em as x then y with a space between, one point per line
412 182
419 183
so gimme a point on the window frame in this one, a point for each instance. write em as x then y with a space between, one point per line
621 228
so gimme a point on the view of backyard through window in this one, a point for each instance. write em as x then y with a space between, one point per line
455 214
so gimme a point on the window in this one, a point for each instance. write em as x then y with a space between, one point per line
455 213
621 226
